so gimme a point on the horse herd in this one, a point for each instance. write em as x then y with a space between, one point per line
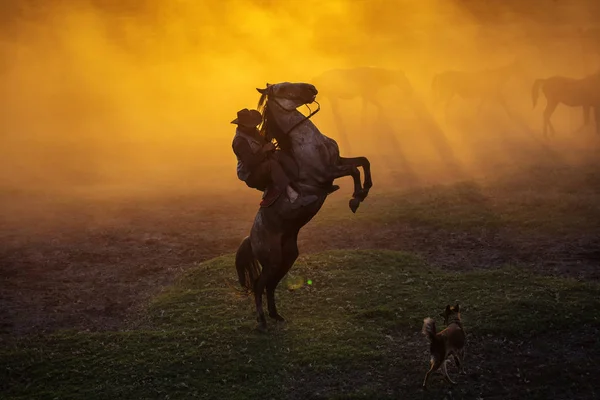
269 252
484 85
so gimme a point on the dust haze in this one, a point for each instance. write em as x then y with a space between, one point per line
136 97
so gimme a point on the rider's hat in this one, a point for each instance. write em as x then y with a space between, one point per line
248 118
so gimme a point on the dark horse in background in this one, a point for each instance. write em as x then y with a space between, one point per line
583 92
272 243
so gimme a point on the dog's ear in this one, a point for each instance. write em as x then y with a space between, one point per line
262 91
448 309
457 308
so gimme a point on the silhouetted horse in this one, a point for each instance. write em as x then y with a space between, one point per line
583 92
273 238
485 85
364 83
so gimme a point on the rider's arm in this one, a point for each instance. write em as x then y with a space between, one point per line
242 149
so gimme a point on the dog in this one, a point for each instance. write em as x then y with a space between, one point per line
450 341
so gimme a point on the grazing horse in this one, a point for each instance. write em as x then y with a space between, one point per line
364 83
485 85
583 92
273 238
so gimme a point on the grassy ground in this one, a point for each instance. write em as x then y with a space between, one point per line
353 333
91 263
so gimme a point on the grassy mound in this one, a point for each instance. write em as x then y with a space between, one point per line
353 333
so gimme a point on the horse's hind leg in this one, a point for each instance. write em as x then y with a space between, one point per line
270 260
259 289
288 258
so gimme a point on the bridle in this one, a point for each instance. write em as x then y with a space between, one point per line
311 113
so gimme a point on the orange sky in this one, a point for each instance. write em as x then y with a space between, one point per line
108 90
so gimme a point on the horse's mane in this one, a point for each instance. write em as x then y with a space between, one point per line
269 128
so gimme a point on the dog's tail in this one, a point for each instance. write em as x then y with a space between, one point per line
429 329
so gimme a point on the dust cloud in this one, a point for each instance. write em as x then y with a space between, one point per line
126 97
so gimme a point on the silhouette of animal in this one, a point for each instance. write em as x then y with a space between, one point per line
584 92
266 256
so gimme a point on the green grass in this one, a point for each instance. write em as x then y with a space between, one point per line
471 205
353 334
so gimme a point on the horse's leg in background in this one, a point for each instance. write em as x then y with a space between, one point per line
270 259
548 111
366 166
335 109
289 254
502 102
586 119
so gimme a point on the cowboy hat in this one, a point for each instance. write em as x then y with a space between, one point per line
248 118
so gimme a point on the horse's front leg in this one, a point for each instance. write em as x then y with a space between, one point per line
550 108
366 166
351 170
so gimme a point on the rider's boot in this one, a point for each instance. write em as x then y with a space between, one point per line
296 198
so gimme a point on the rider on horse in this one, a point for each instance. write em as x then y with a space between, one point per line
259 163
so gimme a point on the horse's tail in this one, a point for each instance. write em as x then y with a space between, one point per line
247 266
535 90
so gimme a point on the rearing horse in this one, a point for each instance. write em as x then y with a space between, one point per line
273 238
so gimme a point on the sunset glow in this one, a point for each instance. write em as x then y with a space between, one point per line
118 91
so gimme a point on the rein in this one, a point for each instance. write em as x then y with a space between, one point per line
311 113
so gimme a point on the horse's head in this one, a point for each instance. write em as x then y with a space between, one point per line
290 95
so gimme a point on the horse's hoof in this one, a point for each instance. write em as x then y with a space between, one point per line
360 195
262 328
364 194
277 317
354 203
